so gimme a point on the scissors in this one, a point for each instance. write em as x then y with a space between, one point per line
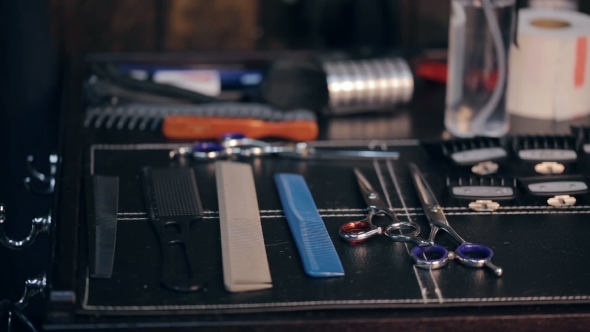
362 230
238 145
469 254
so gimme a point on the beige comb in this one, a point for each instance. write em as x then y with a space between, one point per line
245 265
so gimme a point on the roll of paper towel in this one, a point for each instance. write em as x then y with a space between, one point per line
550 69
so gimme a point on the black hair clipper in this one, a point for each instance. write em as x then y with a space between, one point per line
172 200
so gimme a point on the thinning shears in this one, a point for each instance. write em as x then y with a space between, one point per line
361 230
433 256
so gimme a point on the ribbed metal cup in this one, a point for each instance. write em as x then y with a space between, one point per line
366 84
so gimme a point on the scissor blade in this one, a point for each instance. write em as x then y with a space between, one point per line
424 191
354 154
371 197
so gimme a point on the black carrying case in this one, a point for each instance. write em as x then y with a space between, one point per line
541 249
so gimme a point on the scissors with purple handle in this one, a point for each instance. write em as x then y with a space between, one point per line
469 254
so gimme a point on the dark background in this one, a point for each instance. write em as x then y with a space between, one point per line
39 39
197 25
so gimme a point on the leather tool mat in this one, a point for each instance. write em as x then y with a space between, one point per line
541 249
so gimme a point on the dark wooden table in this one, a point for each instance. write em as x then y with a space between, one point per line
422 119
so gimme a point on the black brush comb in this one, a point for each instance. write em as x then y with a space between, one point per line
173 202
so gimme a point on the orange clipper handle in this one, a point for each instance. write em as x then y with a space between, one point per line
199 128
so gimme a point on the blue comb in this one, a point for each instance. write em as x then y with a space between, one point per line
311 237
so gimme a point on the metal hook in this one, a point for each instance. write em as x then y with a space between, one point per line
33 287
47 180
39 225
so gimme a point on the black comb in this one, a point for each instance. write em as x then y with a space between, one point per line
474 150
103 202
172 200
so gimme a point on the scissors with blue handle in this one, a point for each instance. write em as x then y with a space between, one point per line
361 230
469 254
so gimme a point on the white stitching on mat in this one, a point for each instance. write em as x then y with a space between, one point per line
342 210
337 215
516 212
336 302
524 210
393 177
542 207
318 303
261 211
319 210
382 182
423 290
530 209
323 215
516 207
363 143
117 147
263 217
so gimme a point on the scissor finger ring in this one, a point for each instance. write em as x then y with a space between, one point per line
404 231
209 151
476 255
358 231
404 225
430 256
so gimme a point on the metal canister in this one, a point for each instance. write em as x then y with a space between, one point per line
365 85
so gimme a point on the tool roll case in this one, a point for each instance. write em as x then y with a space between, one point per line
537 235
